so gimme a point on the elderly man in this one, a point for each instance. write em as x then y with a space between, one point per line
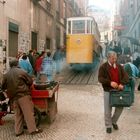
17 84
111 76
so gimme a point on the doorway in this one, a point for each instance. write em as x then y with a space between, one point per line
13 40
48 44
34 41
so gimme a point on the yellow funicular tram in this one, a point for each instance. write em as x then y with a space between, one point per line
83 39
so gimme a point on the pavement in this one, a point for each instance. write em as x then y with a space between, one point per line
81 117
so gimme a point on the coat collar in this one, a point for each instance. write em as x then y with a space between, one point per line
114 65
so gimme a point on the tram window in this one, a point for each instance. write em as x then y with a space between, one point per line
88 26
91 27
69 27
78 27
94 28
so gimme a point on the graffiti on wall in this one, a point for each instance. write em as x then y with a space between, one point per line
3 58
41 45
1 53
24 42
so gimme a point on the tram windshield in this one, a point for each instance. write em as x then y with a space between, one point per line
78 26
82 26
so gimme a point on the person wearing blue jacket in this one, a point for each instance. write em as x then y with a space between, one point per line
133 73
48 67
25 65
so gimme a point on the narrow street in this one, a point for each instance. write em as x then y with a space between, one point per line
71 77
80 117
61 44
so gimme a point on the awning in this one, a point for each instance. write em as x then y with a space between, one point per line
132 40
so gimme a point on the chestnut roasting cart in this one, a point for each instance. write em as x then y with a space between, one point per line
45 102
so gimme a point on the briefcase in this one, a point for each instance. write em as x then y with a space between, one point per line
120 98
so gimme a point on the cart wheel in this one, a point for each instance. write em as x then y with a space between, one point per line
37 115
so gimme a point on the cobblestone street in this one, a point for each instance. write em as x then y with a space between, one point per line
68 48
80 117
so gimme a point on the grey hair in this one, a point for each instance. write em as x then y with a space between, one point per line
111 53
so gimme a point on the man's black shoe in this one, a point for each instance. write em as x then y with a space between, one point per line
115 126
19 134
109 130
37 131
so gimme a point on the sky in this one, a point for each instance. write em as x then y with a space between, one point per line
103 4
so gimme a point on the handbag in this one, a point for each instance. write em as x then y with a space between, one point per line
121 98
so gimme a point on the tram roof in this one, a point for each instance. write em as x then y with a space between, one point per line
81 18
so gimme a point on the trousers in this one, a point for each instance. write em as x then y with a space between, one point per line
24 110
109 116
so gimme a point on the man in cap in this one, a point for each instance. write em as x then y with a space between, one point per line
17 84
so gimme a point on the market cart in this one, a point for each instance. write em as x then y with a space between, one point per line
45 102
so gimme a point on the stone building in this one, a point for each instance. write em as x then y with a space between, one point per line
34 24
131 18
129 15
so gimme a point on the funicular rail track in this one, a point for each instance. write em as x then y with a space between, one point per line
79 78
71 77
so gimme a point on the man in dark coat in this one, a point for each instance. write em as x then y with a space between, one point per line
17 84
112 76
31 58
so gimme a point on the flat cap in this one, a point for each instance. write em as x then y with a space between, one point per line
13 62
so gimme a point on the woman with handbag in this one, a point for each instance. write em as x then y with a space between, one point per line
111 76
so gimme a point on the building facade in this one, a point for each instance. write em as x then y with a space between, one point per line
129 14
34 24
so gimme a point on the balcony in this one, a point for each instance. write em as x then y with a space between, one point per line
45 5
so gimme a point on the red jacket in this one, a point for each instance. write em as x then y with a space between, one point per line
38 64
